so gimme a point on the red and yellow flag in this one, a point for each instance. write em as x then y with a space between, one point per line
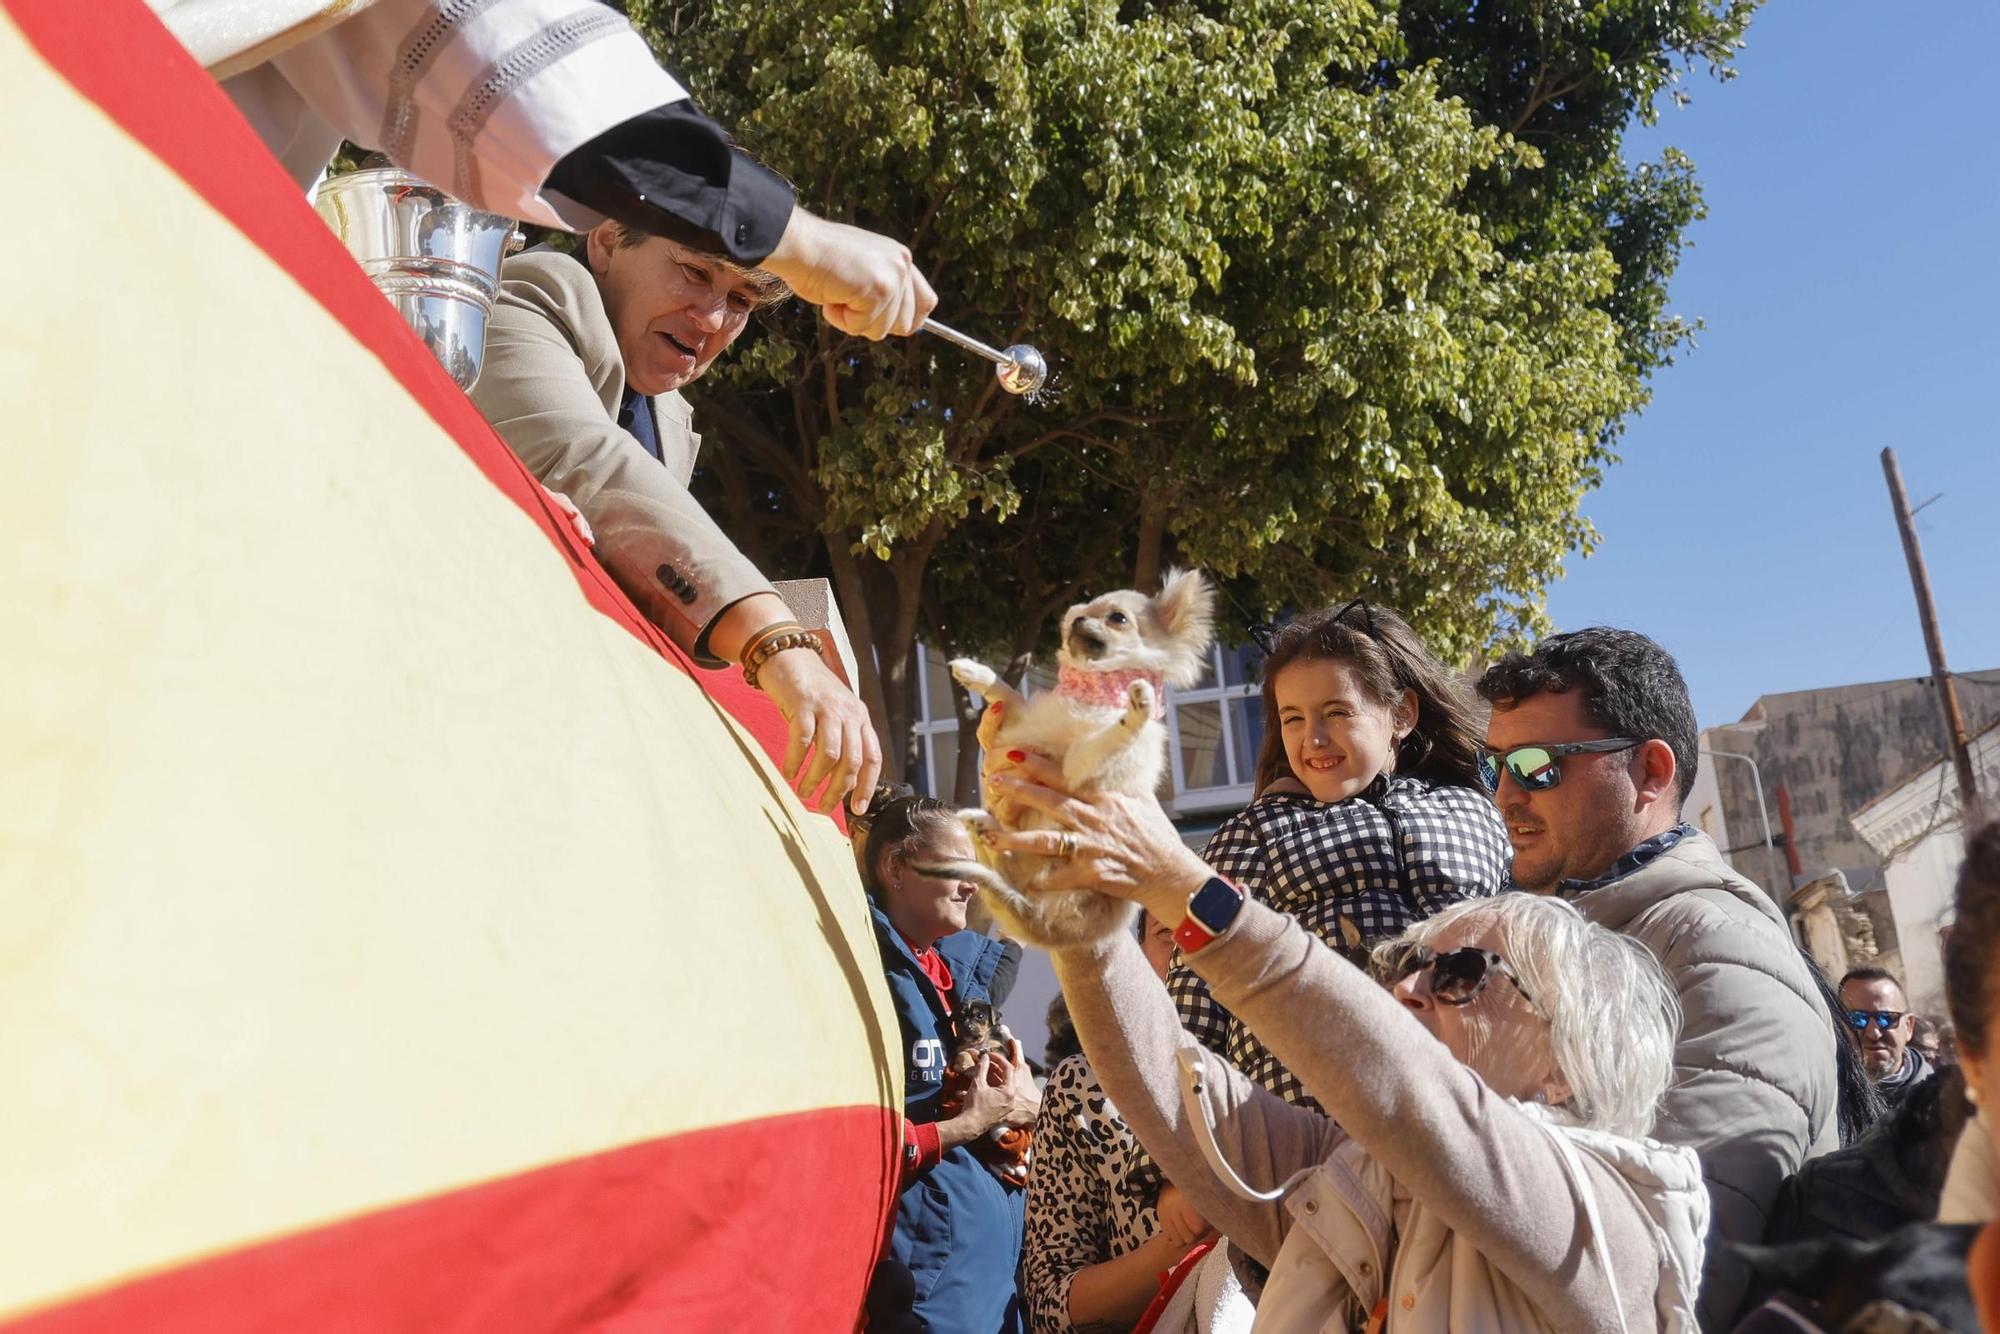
395 932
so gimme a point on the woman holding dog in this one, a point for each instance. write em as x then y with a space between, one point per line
1369 814
1481 1161
956 1245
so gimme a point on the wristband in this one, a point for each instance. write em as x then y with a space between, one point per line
1211 910
775 641
756 641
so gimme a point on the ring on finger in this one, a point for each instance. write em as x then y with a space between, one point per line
1066 844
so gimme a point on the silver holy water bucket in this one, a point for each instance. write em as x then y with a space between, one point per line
435 258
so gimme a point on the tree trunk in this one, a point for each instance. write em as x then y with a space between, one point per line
856 611
899 689
965 783
1152 542
893 597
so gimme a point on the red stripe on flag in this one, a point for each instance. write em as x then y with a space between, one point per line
117 54
766 1225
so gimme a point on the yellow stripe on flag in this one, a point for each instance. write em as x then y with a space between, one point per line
347 854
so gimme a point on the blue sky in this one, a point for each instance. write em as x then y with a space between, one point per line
1849 275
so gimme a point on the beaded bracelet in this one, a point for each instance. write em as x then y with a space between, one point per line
773 645
756 641
775 640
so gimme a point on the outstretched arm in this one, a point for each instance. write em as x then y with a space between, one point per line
560 115
1487 1169
654 538
1130 1034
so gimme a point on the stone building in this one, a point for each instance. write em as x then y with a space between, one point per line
1824 757
1832 751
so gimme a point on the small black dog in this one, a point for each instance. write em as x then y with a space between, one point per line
1006 1150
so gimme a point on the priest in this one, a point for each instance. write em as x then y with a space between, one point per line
556 113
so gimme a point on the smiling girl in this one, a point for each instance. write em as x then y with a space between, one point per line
1369 814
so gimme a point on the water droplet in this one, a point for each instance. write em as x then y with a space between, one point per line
1049 394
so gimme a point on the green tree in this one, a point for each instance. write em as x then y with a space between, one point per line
1304 328
1569 78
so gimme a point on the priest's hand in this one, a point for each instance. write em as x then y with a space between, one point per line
828 724
866 284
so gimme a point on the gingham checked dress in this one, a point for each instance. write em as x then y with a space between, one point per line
1398 852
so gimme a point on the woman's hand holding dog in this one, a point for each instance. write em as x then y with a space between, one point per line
1024 1099
1003 1092
995 759
1124 846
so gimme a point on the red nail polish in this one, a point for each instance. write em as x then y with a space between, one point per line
1018 756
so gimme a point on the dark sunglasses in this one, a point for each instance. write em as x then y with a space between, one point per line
1538 768
1458 976
1885 1020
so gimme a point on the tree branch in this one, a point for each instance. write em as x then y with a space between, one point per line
769 452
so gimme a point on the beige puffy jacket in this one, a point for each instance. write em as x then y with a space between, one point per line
1755 1085
1453 1208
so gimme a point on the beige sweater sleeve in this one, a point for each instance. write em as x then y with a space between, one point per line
1129 1029
1484 1167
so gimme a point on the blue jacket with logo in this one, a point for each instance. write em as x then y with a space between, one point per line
957 1239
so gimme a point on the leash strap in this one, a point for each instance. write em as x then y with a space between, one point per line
1592 1219
1196 1108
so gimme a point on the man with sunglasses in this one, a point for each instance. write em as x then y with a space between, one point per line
1879 1018
1590 752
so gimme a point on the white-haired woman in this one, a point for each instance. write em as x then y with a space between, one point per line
1484 1167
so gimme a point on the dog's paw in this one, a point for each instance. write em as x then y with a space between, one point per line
979 822
973 675
1141 699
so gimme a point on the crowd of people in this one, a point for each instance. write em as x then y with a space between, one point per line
1660 1080
1448 1029
1458 1025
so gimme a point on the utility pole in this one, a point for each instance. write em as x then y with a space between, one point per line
1920 580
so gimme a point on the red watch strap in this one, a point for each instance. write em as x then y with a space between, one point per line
1191 935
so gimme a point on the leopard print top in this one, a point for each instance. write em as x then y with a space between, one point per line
1091 1193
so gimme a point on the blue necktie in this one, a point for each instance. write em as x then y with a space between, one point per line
635 414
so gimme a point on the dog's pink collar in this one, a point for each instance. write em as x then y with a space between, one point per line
1104 690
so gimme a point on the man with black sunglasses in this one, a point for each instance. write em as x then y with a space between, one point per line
1590 752
1879 1018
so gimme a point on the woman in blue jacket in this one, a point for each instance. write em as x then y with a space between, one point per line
953 1256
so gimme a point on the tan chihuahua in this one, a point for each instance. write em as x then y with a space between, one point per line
1102 724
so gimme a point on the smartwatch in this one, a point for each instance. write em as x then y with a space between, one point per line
1210 911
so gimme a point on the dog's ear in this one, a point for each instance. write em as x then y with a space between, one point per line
1185 609
1186 605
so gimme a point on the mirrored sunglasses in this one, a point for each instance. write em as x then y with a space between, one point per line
1458 976
1859 1020
1539 768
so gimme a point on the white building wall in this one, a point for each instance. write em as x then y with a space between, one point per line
1026 1010
1703 808
1918 829
1920 889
